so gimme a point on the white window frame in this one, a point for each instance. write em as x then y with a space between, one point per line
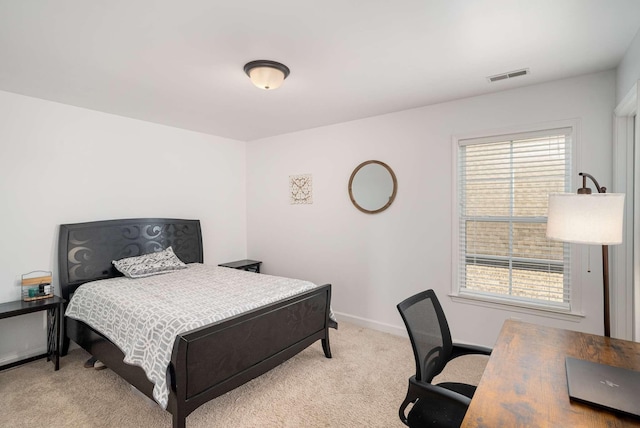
574 312
625 258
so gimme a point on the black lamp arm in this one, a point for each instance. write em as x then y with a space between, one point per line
584 189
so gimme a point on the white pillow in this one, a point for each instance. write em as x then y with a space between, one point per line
149 264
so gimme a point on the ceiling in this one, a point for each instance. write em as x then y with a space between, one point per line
180 63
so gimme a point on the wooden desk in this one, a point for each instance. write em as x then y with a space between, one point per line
525 382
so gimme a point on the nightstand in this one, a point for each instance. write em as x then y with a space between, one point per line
53 306
248 265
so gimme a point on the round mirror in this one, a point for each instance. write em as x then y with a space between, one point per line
372 187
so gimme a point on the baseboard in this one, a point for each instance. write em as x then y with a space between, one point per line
373 325
17 356
28 353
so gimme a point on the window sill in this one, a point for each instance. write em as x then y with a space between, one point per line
521 307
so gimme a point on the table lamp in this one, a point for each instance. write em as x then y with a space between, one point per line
586 218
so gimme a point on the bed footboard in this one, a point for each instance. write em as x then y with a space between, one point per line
213 360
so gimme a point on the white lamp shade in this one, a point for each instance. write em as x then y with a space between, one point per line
586 219
266 77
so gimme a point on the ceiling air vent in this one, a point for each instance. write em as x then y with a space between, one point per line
509 75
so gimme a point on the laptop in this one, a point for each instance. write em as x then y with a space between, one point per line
612 388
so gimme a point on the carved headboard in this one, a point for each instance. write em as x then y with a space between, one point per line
85 250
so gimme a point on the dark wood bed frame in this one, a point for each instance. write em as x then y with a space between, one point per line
208 361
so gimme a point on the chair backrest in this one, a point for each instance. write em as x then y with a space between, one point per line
429 333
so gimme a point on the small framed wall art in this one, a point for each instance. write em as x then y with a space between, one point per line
300 189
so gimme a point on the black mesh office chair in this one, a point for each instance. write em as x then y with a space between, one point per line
444 404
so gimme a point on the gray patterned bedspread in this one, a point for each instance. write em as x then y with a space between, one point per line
143 316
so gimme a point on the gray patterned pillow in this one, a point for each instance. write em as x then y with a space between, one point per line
149 264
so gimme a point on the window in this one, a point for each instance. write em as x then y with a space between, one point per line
503 183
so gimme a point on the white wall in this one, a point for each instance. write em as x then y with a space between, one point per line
375 261
628 71
62 164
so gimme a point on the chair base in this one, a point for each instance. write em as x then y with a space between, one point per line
442 405
443 414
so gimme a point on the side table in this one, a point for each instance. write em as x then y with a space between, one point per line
248 265
53 306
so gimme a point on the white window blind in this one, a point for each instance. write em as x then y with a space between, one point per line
503 187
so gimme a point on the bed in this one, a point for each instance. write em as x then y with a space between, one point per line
240 347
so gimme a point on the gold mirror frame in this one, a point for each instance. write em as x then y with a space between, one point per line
393 194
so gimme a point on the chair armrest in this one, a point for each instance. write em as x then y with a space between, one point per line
419 390
460 349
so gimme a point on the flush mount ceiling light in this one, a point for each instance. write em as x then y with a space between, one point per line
266 74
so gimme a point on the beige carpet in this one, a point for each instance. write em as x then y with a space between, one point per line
361 386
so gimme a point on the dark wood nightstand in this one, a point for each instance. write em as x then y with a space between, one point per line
53 306
248 265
